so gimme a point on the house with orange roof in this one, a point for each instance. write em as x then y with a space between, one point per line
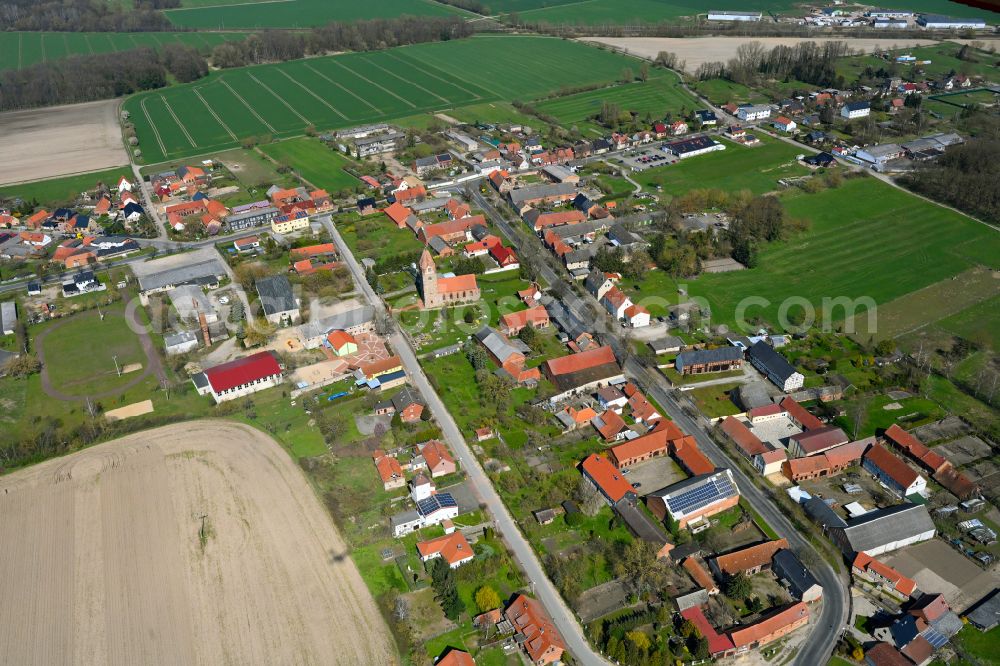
500 181
799 415
103 206
892 472
342 343
785 124
637 316
538 635
653 444
438 458
482 246
35 238
616 302
216 209
749 560
536 317
606 478
540 221
455 657
699 575
687 454
878 573
456 209
399 214
389 470
35 221
829 463
719 645
321 250
572 418
410 194
770 628
452 548
610 425
191 175
582 371
452 231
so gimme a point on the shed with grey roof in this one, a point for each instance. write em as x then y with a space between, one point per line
720 359
277 300
774 366
539 193
985 614
8 317
885 530
499 346
204 273
800 582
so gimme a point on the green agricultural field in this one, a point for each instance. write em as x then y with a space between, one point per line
722 91
314 161
979 323
211 15
659 96
62 190
282 100
865 239
755 168
21 49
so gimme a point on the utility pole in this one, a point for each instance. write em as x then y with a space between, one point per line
117 369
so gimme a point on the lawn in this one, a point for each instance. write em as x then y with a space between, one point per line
52 193
356 88
22 49
722 91
314 162
713 401
865 239
980 644
229 14
979 323
80 373
754 168
377 237
911 412
659 96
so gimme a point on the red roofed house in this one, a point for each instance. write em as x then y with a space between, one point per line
616 302
452 548
437 292
389 470
238 378
610 425
536 317
718 644
398 213
582 371
784 124
746 442
770 628
456 209
687 454
452 231
653 444
410 194
541 639
606 478
456 658
828 463
892 472
699 575
799 415
438 458
874 571
749 560
505 257
35 221
637 316
342 343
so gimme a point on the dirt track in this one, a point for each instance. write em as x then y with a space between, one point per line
698 50
104 559
60 140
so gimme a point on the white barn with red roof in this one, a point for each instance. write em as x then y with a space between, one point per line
238 378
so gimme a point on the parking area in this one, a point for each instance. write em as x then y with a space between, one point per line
646 158
653 475
938 567
872 495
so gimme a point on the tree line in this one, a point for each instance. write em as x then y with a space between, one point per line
370 35
84 16
806 61
964 177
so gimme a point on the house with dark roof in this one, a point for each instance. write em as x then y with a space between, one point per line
277 300
882 530
813 442
800 583
775 367
239 378
700 361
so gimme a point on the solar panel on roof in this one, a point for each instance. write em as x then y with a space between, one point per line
435 502
707 493
935 637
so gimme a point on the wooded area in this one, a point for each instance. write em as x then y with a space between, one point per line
82 16
964 177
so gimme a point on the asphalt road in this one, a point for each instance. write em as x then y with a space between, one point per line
826 628
541 586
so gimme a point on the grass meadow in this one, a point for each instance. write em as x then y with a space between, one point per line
227 15
63 190
755 168
865 239
282 100
313 161
660 95
21 49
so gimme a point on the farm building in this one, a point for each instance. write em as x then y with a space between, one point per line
814 442
853 110
750 560
693 500
581 372
690 147
880 154
606 479
277 300
938 22
872 570
699 361
883 530
536 633
775 367
800 583
239 378
893 473
358 320
718 15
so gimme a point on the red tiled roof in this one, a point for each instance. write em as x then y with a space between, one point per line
765 410
388 467
816 441
340 338
530 619
456 658
782 120
717 643
534 316
382 366
452 548
448 228
748 443
651 443
956 482
606 476
699 575
559 219
616 297
894 468
800 414
593 358
313 250
769 625
885 654
749 558
398 213
915 448
434 452
690 456
930 607
866 562
242 371
611 424
846 454
457 283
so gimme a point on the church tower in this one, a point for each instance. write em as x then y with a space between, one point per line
428 280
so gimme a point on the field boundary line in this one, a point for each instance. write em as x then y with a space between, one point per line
415 85
426 66
66 44
383 88
215 115
280 99
203 40
249 108
345 89
152 125
90 47
418 62
111 43
131 38
323 101
41 44
156 39
20 49
177 120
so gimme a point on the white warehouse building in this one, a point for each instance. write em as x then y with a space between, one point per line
733 16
